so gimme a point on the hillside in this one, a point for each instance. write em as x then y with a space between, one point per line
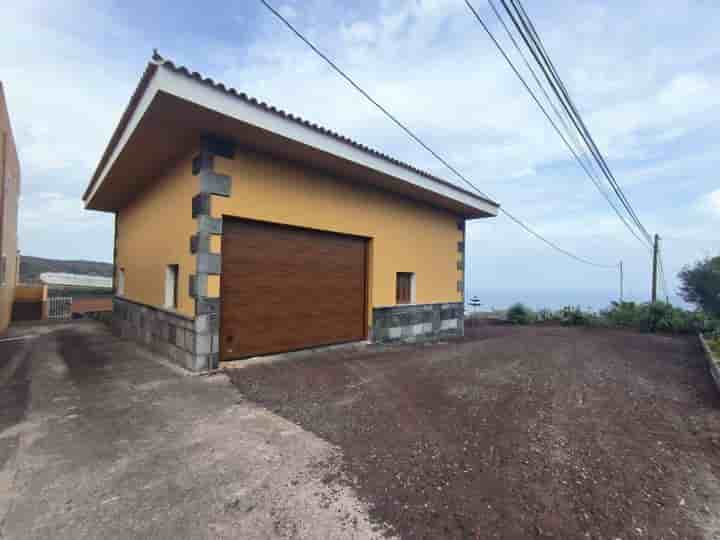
32 267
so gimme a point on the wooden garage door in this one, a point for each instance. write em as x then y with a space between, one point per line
286 288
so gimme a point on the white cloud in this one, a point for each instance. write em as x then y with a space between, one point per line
287 11
63 93
710 204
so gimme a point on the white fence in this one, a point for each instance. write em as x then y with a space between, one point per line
59 307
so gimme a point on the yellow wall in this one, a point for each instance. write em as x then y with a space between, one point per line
406 236
9 193
31 293
153 231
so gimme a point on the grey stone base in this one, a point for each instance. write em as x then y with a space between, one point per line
418 321
193 343
712 362
174 336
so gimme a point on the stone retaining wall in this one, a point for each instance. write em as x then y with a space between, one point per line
189 344
169 334
712 362
418 321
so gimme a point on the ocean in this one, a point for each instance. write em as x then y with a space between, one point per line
556 299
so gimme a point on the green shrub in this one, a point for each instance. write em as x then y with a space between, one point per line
596 320
714 345
654 317
708 326
658 317
625 314
520 314
575 316
544 315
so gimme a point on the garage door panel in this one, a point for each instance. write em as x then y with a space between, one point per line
287 288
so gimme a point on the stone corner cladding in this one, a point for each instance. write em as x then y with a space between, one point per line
182 340
207 314
418 321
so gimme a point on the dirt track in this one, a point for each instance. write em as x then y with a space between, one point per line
98 440
517 432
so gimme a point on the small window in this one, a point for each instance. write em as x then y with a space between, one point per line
3 269
171 285
121 282
405 288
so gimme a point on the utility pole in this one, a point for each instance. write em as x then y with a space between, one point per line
655 268
621 282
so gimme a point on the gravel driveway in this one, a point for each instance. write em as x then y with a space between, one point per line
99 441
517 432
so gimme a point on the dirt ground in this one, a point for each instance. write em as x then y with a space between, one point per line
98 440
516 432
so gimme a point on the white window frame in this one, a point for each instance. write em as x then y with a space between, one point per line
412 300
172 275
121 282
3 270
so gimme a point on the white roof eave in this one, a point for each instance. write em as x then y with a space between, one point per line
190 89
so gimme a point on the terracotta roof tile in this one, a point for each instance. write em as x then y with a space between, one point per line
158 59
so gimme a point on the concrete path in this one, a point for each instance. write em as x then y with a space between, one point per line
100 441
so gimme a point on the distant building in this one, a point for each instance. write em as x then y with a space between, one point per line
9 193
62 279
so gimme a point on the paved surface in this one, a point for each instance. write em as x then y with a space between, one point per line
14 392
534 432
99 441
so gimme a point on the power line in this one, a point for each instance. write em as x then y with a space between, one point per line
560 117
570 133
546 63
542 49
421 142
537 102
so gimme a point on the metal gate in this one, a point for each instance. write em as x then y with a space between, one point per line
59 307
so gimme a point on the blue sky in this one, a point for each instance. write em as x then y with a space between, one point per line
644 74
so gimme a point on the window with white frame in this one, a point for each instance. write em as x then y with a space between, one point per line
3 269
171 285
121 282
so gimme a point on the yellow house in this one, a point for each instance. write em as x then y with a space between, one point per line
9 194
242 230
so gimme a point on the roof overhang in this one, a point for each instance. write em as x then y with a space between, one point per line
172 109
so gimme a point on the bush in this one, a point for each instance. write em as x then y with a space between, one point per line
657 317
575 316
545 315
647 317
624 314
520 314
714 345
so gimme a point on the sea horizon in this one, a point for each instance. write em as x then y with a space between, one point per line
594 300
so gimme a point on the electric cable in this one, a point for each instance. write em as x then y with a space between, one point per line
417 139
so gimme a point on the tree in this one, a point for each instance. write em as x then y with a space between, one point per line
700 285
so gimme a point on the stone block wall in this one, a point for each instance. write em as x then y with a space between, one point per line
171 335
418 321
